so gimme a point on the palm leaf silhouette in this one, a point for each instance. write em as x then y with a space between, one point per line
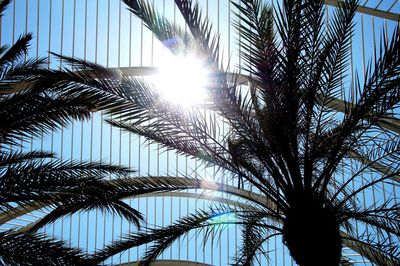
289 134
34 101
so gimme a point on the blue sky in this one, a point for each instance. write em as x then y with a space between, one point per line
105 32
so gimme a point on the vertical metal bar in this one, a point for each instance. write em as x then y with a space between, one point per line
119 33
26 27
158 154
364 67
60 66
187 209
120 130
72 124
179 200
101 128
13 22
171 198
49 41
130 135
179 208
26 16
13 39
91 130
383 190
48 66
130 39
205 170
139 138
1 30
37 57
163 198
102 121
240 71
353 100
62 32
375 58
149 145
225 181
393 183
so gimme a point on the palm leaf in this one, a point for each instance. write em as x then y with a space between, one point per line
16 51
36 249
164 237
286 135
3 6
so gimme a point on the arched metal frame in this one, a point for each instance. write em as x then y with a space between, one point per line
369 11
207 185
167 263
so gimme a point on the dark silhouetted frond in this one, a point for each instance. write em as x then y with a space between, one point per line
36 249
290 130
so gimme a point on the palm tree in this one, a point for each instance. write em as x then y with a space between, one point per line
290 137
34 101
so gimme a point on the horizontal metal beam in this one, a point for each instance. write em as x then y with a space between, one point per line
348 240
369 11
364 250
167 263
189 183
390 123
176 194
17 212
375 165
254 197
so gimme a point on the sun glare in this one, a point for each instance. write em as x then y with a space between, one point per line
182 80
223 219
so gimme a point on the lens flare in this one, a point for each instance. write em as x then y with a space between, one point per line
182 80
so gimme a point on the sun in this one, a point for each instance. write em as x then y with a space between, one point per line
182 80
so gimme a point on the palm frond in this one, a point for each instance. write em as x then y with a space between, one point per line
85 202
15 157
70 187
253 239
164 237
21 75
201 30
284 138
384 218
3 6
29 113
36 249
16 51
379 95
176 39
45 182
385 253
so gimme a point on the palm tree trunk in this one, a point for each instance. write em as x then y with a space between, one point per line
311 233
